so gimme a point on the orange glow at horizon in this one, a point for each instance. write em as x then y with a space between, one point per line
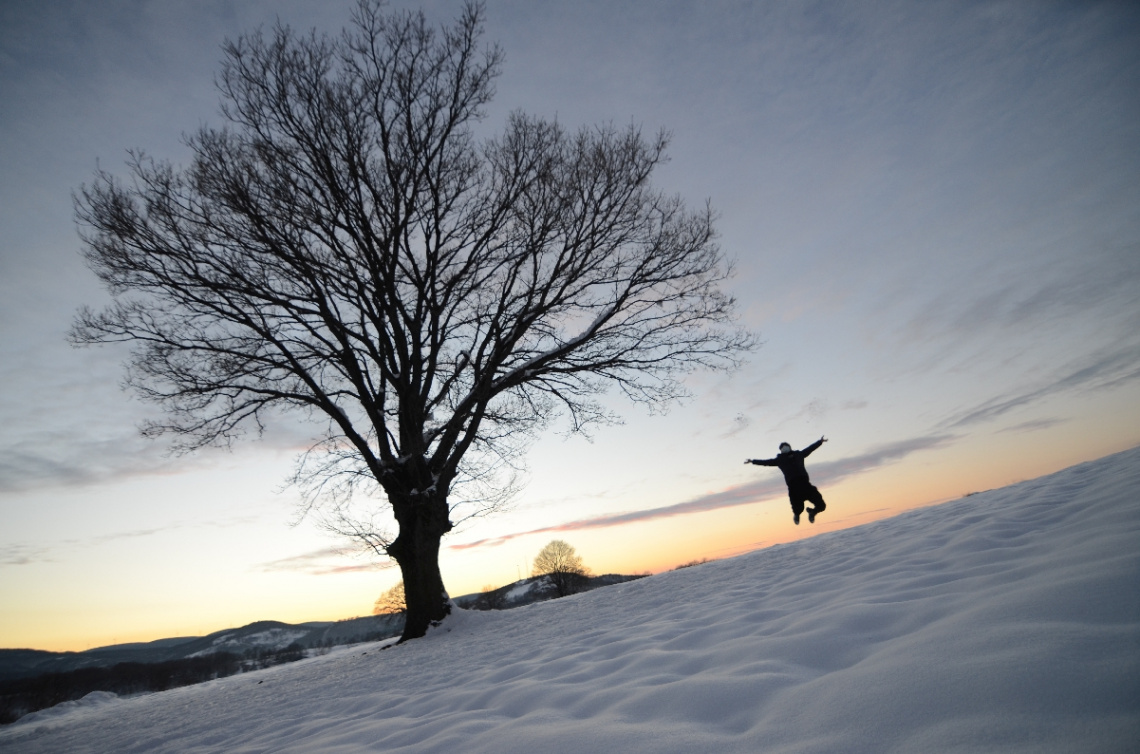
651 546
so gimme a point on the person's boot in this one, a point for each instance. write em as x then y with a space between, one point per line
796 518
811 515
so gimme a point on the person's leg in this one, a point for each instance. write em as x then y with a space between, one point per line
797 505
817 501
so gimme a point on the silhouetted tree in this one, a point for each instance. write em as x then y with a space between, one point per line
391 602
347 247
490 598
562 565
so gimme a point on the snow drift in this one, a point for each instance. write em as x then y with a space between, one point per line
1006 621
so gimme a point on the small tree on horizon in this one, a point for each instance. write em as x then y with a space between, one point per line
346 248
564 567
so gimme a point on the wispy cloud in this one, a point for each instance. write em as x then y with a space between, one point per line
323 562
1034 426
44 462
1101 371
740 422
52 459
21 554
135 534
813 410
771 486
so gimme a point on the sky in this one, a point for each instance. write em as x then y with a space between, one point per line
934 212
1002 622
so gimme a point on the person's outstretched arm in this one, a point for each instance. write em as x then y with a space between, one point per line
811 448
762 461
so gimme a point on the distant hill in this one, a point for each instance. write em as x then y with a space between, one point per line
259 637
271 636
534 589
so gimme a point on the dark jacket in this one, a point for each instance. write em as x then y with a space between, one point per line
792 464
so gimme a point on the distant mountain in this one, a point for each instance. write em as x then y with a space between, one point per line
272 636
534 589
259 637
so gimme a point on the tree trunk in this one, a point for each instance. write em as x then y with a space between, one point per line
423 522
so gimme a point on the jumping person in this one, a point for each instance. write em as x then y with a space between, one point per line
800 488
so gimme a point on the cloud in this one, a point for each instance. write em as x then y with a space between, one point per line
834 471
57 458
323 562
17 553
817 409
1103 371
813 410
740 422
21 554
771 486
1035 425
49 458
131 534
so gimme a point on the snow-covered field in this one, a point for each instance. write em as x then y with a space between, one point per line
1008 621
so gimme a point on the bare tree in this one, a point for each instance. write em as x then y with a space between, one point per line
562 564
391 602
347 247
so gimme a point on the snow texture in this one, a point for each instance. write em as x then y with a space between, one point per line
1005 621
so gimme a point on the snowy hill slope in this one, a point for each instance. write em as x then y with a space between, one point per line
1006 621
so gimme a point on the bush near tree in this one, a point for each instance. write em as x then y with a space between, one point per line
391 602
